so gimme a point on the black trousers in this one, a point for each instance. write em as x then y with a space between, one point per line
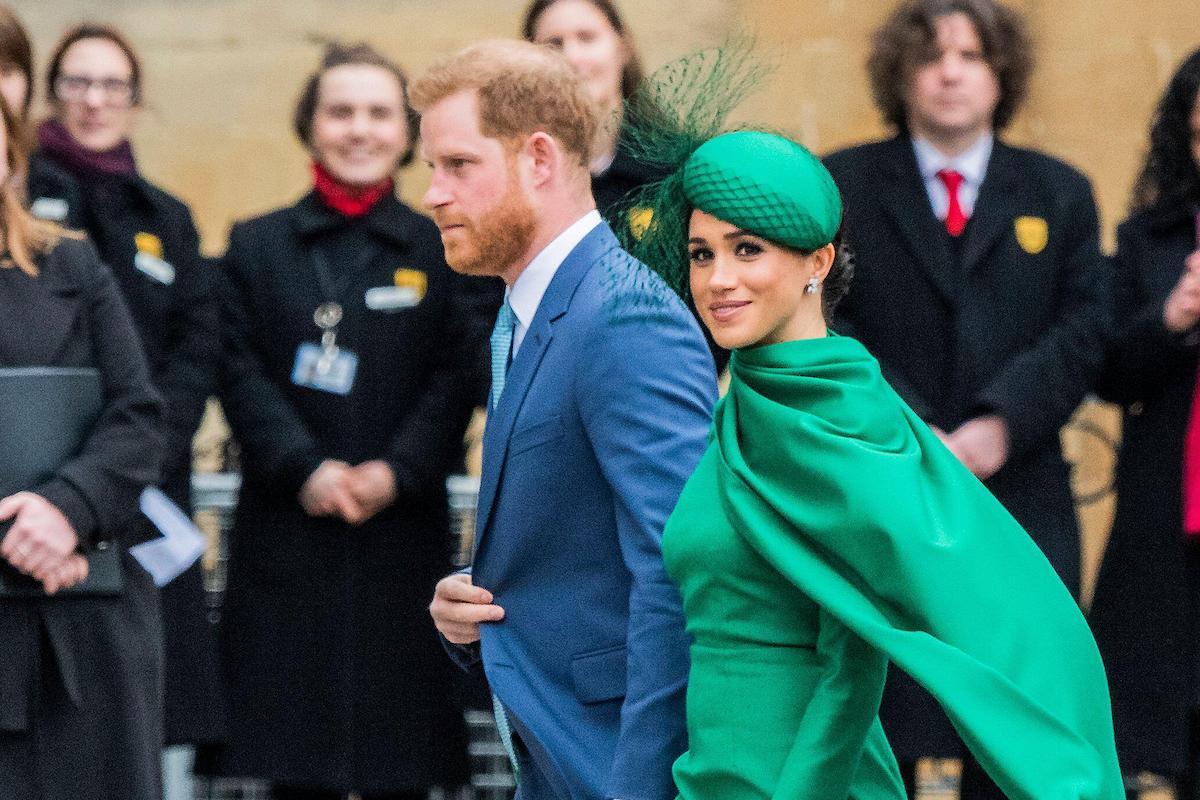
282 792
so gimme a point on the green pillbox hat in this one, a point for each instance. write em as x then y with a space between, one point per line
765 184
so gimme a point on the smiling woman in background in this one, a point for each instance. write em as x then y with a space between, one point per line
84 176
344 385
593 37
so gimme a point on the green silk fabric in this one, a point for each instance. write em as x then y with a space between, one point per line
765 184
826 532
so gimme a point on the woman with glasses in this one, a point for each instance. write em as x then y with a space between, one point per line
84 175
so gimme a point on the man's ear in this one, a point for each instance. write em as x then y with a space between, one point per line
545 157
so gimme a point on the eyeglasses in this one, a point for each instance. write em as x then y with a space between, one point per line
73 88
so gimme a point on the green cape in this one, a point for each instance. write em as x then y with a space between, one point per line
834 480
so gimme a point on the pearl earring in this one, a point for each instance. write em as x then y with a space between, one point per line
811 287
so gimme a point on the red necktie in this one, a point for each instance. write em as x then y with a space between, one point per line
956 220
1191 454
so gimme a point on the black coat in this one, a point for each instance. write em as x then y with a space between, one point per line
80 678
177 326
1014 326
335 671
1146 609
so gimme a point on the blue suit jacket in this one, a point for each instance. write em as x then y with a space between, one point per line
605 413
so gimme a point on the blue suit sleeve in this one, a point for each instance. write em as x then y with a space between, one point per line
645 394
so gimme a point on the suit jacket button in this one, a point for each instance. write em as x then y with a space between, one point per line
1136 408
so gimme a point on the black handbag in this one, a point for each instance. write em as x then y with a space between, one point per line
46 417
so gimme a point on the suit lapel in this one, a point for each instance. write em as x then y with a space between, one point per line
907 202
995 211
553 307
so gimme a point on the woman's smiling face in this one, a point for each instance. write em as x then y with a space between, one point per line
751 291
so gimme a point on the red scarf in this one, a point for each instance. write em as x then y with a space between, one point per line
350 201
1191 454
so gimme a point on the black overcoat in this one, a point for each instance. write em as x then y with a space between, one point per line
1013 324
335 672
81 677
176 322
1146 608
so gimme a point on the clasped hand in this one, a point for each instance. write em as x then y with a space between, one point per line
355 494
981 444
1182 308
41 542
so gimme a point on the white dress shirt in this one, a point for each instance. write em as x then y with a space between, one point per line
971 164
525 295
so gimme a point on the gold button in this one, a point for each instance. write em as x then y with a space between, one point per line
1136 408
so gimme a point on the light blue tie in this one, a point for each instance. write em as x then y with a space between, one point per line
505 732
502 338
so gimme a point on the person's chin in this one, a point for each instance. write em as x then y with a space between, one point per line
468 263
356 177
98 144
732 337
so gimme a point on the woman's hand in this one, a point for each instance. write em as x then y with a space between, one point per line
326 493
41 541
74 570
373 485
981 444
335 489
1182 309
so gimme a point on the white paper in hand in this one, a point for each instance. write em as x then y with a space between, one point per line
181 543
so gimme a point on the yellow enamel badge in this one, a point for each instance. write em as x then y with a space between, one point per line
149 244
1032 234
639 221
413 279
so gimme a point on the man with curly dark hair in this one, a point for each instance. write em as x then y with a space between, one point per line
979 286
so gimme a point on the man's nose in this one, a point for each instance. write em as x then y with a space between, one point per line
436 195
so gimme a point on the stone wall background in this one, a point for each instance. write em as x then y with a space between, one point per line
222 76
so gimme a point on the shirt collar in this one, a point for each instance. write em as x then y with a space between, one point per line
971 163
525 295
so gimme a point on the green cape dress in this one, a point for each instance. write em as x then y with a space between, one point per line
827 532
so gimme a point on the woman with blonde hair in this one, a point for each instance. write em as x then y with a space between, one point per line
81 668
85 175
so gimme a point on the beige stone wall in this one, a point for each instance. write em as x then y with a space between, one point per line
222 76
1101 67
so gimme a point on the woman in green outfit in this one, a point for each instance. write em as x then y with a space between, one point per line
827 531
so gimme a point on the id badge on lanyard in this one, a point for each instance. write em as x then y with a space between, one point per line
327 367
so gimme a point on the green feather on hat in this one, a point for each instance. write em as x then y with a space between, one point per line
762 182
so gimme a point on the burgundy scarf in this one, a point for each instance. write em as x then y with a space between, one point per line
1191 453
60 145
345 200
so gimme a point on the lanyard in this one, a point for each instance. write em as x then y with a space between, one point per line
330 282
